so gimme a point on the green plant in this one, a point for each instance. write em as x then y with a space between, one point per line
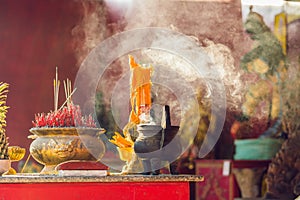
3 112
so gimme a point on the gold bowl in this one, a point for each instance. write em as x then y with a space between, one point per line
16 153
52 146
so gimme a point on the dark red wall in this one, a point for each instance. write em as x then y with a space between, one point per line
35 37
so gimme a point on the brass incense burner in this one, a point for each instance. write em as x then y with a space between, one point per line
52 146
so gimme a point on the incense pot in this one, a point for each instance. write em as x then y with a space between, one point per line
147 145
52 146
151 145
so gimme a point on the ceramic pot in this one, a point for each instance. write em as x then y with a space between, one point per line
4 166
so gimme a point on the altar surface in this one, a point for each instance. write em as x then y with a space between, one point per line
121 187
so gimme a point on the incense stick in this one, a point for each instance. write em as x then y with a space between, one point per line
25 164
65 87
68 90
54 92
67 99
56 84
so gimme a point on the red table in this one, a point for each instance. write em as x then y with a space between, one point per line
109 187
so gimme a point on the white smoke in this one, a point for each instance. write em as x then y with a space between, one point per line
91 30
94 28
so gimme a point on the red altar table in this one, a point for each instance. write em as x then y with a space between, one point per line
129 187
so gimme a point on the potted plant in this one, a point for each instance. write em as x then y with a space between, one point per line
4 158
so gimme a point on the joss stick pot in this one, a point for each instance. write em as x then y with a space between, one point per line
154 145
147 147
52 146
